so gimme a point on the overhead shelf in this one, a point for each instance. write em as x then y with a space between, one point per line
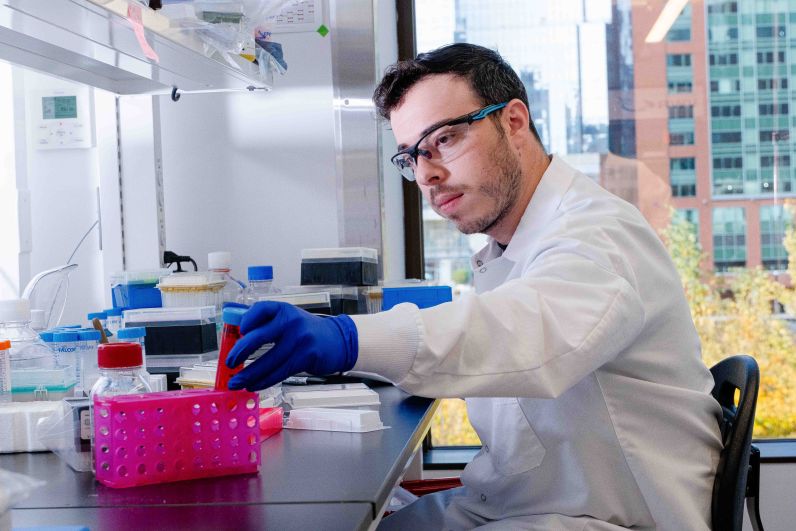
92 42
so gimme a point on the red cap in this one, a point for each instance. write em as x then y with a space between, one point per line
5 345
120 355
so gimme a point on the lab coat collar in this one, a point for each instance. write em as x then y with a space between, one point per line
555 181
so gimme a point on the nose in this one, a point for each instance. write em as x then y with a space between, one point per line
427 173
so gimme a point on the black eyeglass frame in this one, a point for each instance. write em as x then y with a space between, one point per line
469 119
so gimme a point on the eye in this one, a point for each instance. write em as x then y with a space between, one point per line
445 139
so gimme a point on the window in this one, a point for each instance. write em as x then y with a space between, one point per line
683 176
768 161
683 184
770 57
726 163
678 59
769 32
729 238
725 111
766 109
679 35
773 221
681 28
679 86
723 59
681 139
596 97
725 86
715 8
770 136
681 111
682 164
690 215
730 137
772 84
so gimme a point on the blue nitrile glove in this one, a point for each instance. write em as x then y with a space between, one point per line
303 342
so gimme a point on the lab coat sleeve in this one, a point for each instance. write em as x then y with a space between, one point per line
535 336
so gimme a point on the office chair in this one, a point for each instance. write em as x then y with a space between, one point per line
738 473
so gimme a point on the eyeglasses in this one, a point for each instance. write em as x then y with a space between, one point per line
441 142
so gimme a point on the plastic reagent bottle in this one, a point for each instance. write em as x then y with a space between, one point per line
31 359
5 371
261 280
221 262
121 367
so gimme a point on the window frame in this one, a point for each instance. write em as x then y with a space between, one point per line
456 457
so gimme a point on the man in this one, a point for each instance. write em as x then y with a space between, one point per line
577 356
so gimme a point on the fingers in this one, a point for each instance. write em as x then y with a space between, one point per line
261 313
250 343
270 369
261 325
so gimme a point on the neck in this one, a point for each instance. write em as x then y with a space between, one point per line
534 163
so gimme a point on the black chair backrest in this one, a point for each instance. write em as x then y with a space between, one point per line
729 490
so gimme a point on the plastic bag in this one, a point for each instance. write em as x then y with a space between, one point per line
228 26
270 60
13 489
67 433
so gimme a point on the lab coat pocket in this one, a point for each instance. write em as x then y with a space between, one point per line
514 448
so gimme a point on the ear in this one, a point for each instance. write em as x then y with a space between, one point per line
516 119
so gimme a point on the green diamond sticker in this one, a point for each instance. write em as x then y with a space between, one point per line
323 30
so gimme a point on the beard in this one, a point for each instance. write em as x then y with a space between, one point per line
502 191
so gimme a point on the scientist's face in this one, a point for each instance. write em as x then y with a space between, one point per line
479 185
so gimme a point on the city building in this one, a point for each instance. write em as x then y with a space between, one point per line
712 114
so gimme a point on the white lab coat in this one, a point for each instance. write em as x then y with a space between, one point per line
581 368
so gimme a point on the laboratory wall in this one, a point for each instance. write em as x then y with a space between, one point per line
9 222
56 195
254 173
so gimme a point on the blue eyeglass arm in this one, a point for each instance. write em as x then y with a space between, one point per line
470 118
483 113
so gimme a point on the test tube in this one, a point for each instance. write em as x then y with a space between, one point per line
113 320
136 334
5 371
229 336
89 369
65 345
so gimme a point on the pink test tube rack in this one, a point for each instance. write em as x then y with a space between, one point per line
152 438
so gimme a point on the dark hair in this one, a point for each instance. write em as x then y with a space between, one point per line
492 78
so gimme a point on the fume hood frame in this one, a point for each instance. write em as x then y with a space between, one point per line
85 42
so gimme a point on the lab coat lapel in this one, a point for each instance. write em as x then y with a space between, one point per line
492 266
492 274
541 209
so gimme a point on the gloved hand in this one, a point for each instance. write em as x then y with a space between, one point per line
303 342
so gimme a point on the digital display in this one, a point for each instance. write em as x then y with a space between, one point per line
59 107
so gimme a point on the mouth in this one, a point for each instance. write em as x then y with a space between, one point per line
448 203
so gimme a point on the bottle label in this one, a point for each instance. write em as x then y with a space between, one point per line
85 425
